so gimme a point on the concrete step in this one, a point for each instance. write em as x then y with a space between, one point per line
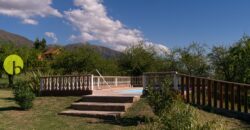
98 114
100 106
111 99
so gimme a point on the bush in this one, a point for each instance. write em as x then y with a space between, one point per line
178 117
34 82
161 98
23 95
172 112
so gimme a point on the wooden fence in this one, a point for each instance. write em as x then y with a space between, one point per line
66 85
225 97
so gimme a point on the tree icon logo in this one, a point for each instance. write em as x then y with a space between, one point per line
13 64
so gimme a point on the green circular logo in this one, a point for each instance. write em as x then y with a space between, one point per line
13 64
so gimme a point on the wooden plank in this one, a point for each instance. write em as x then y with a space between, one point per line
198 91
209 84
215 93
226 95
187 90
193 90
245 99
182 86
238 99
232 97
203 92
221 94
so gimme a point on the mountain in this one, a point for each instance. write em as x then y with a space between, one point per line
18 40
104 51
14 38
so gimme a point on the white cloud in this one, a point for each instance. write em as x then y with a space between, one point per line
93 23
27 10
51 35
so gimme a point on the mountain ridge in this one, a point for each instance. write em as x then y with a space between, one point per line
19 40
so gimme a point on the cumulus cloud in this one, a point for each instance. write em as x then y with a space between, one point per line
93 23
51 35
27 10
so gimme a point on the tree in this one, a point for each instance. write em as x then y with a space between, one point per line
40 45
138 59
192 60
43 44
221 63
36 43
232 63
80 60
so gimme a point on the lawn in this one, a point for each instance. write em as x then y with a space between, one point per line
44 116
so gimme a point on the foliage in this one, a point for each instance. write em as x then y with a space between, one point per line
82 60
232 63
40 44
34 81
192 60
173 113
138 59
23 95
179 116
161 98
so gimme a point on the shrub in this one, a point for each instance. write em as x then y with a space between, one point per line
172 112
161 98
34 82
23 95
178 117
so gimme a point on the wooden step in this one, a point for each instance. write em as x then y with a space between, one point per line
100 106
111 99
99 114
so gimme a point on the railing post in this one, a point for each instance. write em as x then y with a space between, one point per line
41 84
92 82
98 82
175 81
116 83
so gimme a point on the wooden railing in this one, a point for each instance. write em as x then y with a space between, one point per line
225 97
215 93
66 85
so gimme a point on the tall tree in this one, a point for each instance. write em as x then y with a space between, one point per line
40 44
192 60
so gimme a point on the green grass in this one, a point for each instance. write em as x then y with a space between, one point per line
44 116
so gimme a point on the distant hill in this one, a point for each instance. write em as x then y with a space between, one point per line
22 41
104 51
14 38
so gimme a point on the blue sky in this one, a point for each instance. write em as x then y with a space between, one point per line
173 23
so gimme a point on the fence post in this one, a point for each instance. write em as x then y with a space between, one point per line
92 82
175 78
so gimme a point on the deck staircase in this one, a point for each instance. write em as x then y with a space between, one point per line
100 106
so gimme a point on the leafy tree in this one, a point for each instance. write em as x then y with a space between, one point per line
192 60
221 63
138 59
36 43
43 44
80 60
40 45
